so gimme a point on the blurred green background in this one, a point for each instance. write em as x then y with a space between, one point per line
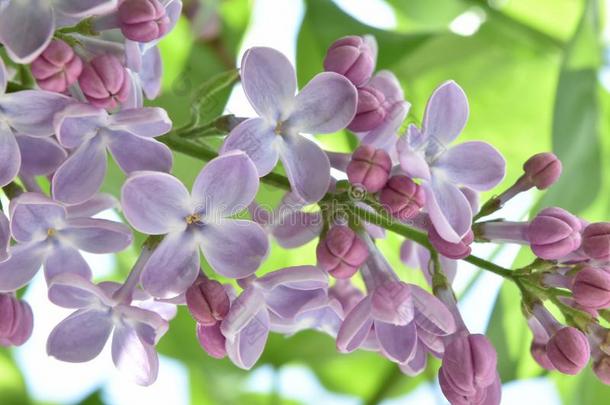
537 75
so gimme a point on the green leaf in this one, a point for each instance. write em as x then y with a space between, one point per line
583 389
576 122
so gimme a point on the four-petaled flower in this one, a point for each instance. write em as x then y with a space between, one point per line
325 105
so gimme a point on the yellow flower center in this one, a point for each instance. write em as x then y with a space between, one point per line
193 218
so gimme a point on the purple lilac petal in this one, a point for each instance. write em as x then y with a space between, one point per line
477 165
392 304
234 248
431 314
81 336
418 363
448 208
173 266
24 262
243 310
33 214
446 113
297 277
32 111
412 162
10 158
307 167
325 105
85 8
39 156
133 355
297 229
97 235
355 327
5 237
257 138
146 122
398 343
225 186
151 73
78 123
384 136
70 290
155 203
65 259
247 347
82 174
26 28
386 82
96 204
269 81
288 302
132 152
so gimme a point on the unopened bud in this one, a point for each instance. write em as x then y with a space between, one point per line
341 252
207 301
402 197
369 168
143 20
352 57
554 233
568 350
105 82
57 67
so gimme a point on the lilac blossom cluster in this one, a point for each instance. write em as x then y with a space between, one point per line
94 63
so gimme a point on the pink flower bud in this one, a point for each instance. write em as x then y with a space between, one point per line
369 168
469 366
342 252
351 57
542 170
370 111
454 251
554 233
57 67
207 301
402 197
143 20
568 350
105 82
596 241
591 288
212 340
601 368
16 321
538 351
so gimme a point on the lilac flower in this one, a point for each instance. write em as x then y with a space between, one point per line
283 294
16 320
39 156
48 235
157 203
426 155
27 26
90 132
103 309
27 112
418 257
327 104
5 237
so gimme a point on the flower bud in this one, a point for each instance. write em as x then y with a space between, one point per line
207 301
596 241
402 197
105 82
57 67
212 340
454 251
591 288
542 170
342 252
352 57
143 20
370 168
601 368
568 350
469 366
538 351
16 321
554 233
370 111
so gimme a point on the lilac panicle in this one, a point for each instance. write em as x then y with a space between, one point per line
325 105
47 235
157 203
426 154
91 132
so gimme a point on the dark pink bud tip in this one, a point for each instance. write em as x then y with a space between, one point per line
601 368
568 350
143 20
57 67
351 57
554 233
207 301
342 252
591 288
538 351
212 340
369 168
454 251
402 197
596 241
370 111
543 170
104 81
16 321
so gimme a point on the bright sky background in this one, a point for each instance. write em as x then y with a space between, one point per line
51 380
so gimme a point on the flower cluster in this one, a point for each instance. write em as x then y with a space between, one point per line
94 63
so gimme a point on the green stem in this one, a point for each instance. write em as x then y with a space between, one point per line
390 379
